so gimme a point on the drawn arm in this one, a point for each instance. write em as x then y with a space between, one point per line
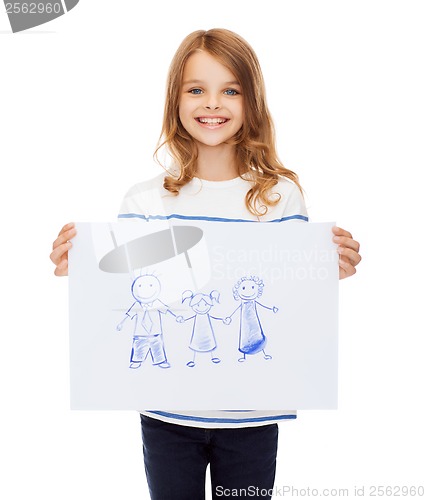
119 327
164 309
274 309
181 319
225 321
214 317
128 315
228 319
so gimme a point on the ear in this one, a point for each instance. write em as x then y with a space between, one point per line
187 294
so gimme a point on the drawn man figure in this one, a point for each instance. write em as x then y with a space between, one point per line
252 339
146 312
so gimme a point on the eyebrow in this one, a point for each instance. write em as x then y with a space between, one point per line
233 82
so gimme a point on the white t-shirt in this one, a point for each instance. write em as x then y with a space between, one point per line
214 201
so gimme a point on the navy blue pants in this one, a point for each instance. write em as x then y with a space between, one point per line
242 461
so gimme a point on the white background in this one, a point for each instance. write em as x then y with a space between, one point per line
80 112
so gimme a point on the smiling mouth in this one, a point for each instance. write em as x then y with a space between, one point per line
211 121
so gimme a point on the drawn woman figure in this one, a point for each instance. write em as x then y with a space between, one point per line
148 331
252 338
203 339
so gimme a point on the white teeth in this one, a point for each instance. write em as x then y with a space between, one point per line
212 121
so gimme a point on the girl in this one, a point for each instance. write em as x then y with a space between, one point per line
218 131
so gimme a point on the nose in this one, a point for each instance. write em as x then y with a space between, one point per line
212 102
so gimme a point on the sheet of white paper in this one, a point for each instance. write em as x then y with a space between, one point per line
203 315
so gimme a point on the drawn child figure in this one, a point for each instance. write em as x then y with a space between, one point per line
219 133
203 338
146 311
252 338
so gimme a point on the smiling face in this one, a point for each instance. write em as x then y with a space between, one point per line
248 290
201 307
211 103
146 288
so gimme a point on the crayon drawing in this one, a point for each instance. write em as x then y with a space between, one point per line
198 314
252 339
146 313
203 339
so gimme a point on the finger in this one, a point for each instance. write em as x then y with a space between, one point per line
58 253
338 231
68 226
66 233
345 241
64 236
353 256
345 238
62 268
346 269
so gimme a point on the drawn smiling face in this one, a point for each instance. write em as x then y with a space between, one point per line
146 288
201 307
248 290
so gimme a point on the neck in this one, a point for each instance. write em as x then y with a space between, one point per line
216 163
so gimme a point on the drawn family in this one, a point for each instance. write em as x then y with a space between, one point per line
147 310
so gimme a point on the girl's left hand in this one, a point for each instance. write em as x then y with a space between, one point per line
349 252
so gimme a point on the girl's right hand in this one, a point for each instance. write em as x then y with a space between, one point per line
61 245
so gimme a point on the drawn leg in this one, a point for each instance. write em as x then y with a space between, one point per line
140 349
241 360
266 356
158 353
214 360
191 364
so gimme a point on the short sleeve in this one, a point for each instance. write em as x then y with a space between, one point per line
296 204
144 199
160 306
133 310
292 204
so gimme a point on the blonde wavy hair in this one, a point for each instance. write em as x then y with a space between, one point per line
254 143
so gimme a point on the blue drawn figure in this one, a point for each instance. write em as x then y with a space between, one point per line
203 339
252 338
148 330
